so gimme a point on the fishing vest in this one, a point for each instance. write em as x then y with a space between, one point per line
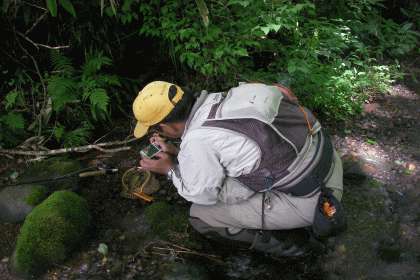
280 127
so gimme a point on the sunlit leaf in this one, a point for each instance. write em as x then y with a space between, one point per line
370 141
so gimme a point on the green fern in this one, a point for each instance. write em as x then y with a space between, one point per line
59 131
11 98
103 80
15 121
62 64
77 137
62 91
94 64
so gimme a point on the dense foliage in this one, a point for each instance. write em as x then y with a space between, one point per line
70 66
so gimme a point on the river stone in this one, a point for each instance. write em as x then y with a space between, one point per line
184 271
377 163
52 168
12 208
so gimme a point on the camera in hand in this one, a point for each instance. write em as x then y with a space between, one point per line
151 150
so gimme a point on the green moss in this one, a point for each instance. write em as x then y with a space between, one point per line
169 223
60 166
52 231
36 196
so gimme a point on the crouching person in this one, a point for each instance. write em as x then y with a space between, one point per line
252 161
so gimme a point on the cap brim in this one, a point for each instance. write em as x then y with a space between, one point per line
140 130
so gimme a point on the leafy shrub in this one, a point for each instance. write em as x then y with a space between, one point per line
328 60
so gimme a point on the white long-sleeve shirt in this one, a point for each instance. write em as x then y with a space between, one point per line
211 157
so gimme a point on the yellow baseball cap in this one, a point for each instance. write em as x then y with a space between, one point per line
152 105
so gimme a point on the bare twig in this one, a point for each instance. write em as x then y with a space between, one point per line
180 249
41 79
41 45
34 5
75 149
40 18
65 267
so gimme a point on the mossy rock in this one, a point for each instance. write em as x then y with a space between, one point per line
53 168
37 195
51 232
169 223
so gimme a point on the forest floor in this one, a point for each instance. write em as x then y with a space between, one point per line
383 143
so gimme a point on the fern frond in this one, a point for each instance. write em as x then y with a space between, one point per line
62 64
77 137
11 98
94 64
62 91
99 98
103 80
15 121
59 131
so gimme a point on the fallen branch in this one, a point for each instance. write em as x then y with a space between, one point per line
75 149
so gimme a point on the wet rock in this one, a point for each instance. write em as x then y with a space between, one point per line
377 163
399 270
12 208
130 275
97 277
84 267
183 271
96 268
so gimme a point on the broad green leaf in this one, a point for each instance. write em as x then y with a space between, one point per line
266 30
370 141
52 6
218 53
375 183
14 175
407 26
347 63
68 6
242 52
276 27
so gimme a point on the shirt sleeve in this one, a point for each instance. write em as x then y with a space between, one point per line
206 158
200 174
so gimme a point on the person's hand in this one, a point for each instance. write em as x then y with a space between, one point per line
160 165
166 147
